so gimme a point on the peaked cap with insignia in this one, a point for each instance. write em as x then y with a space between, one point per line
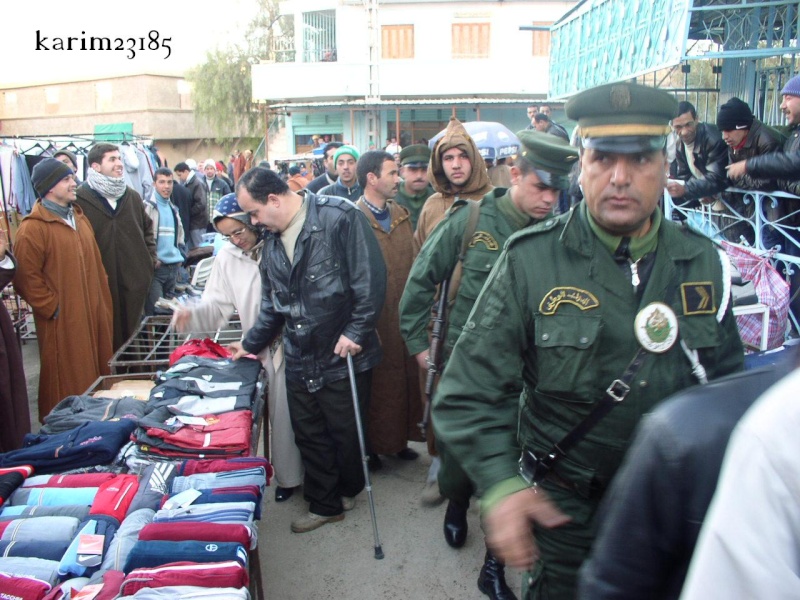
623 117
551 157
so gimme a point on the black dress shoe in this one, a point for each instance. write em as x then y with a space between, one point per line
374 462
455 524
407 454
492 579
282 494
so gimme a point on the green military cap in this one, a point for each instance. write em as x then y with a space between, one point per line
551 157
418 155
623 117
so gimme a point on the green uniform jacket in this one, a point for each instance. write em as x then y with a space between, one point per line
414 204
437 259
563 351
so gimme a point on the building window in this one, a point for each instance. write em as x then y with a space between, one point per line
470 40
541 39
319 36
397 41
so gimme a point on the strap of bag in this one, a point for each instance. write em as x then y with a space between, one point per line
466 238
535 468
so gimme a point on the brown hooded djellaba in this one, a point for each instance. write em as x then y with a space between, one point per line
15 417
395 407
61 275
476 187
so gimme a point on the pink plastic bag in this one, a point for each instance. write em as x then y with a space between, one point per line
772 290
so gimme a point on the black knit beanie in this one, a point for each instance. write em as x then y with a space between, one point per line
47 173
734 114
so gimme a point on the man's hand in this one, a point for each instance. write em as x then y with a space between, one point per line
181 319
422 359
157 264
237 350
737 169
676 190
508 526
346 346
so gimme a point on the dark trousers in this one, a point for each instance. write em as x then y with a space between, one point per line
162 286
454 483
325 432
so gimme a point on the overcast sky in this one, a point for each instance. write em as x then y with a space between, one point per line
192 26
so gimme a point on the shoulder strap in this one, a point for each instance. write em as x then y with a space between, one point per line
469 230
466 238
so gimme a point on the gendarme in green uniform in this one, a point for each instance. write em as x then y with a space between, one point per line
414 166
415 203
538 174
556 317
498 219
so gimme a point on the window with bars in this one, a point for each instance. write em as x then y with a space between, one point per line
470 40
319 36
397 41
541 39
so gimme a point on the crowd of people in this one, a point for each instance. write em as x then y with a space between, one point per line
573 309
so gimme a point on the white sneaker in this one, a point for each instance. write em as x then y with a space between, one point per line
348 503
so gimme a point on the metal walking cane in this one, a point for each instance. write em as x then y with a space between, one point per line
368 486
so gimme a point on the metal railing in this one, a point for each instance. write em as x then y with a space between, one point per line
766 221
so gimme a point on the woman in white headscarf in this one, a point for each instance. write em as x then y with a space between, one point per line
235 285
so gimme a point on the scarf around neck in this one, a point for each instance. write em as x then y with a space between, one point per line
110 187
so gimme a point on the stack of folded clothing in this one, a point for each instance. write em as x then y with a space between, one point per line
203 408
180 531
76 410
89 444
56 528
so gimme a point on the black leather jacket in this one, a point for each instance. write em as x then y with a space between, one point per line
762 139
651 516
710 158
335 286
783 166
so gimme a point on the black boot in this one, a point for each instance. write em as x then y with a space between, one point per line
492 580
455 524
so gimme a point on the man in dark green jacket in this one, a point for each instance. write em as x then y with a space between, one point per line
538 175
415 187
568 306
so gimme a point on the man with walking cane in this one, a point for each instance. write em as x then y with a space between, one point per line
323 281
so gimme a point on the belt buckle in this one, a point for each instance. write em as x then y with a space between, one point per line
532 469
618 390
527 466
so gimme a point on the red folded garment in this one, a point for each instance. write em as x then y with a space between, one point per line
217 575
11 478
114 497
221 465
205 348
70 481
227 432
24 588
201 532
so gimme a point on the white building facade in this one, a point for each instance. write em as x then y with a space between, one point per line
363 71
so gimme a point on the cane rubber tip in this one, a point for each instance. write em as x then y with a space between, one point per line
378 553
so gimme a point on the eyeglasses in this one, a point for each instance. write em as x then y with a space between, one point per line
236 234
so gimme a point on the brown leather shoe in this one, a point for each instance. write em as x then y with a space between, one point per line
311 521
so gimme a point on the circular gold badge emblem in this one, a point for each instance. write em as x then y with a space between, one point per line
656 327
